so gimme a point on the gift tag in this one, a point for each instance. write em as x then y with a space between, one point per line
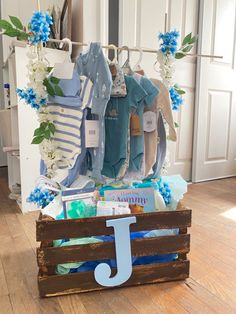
149 121
135 127
91 133
63 70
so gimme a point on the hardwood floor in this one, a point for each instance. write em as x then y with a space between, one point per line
211 287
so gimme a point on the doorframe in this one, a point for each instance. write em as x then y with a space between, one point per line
197 94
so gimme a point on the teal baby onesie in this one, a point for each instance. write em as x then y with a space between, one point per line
116 126
137 142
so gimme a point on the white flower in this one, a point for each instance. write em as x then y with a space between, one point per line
37 72
167 67
44 116
50 155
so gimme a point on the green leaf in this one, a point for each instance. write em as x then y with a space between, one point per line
52 128
180 91
37 140
47 134
193 40
16 22
176 125
49 87
58 91
187 48
49 69
186 39
5 24
11 32
54 80
179 55
23 36
43 125
38 132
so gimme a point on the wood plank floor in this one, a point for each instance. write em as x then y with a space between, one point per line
211 287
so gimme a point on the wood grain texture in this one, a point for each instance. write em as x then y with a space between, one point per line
210 288
5 305
84 281
106 250
96 226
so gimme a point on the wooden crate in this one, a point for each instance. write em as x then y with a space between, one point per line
51 284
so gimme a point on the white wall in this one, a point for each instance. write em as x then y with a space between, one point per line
22 9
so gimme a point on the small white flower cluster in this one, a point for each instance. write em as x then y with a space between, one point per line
50 155
37 72
44 116
167 67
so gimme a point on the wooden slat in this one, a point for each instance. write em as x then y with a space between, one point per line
106 250
182 256
73 228
82 282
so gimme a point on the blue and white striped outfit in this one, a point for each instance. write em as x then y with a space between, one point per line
68 114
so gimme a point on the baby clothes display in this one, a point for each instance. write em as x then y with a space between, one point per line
116 126
101 91
68 116
125 165
66 112
93 65
137 142
155 154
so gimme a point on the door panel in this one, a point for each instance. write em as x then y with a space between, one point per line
140 23
215 128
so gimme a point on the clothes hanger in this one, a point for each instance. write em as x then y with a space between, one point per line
115 59
69 43
114 62
156 64
126 66
137 66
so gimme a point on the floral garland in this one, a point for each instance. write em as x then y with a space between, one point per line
166 56
41 82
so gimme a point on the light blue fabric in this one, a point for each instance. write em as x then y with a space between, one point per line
94 65
137 142
81 166
178 188
71 89
91 265
116 126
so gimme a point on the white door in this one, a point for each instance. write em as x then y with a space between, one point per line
140 23
3 157
215 125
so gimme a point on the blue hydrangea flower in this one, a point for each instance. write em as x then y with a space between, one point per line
169 42
165 191
40 197
176 99
39 28
30 97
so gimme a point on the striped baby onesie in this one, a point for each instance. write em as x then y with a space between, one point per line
67 115
67 120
